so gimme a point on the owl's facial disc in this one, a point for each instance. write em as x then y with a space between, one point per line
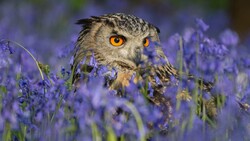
120 44
130 48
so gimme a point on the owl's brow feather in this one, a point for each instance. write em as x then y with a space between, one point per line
87 23
114 32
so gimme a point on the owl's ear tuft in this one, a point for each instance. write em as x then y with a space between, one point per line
88 23
84 21
157 29
88 20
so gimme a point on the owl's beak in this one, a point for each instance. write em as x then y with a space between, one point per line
138 56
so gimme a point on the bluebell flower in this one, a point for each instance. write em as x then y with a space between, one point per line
63 71
5 46
229 37
71 60
151 90
157 80
188 33
92 61
201 25
44 84
67 50
151 53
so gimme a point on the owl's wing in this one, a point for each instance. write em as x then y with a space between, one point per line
202 84
165 72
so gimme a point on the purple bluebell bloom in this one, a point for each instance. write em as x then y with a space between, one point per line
201 25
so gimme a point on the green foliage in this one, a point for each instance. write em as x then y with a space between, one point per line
207 4
77 5
45 68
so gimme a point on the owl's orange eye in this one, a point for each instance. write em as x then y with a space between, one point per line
146 42
116 40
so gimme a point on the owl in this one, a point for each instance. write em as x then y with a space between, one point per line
118 41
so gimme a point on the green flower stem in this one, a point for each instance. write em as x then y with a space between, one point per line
95 133
19 45
138 120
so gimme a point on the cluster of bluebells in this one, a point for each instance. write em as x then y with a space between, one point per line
223 62
32 108
49 109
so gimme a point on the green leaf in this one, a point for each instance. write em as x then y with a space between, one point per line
96 136
44 68
3 89
111 134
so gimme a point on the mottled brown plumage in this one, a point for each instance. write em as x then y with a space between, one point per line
96 37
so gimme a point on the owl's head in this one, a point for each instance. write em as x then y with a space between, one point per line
116 37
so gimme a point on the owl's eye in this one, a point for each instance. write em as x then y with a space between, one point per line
116 40
146 42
